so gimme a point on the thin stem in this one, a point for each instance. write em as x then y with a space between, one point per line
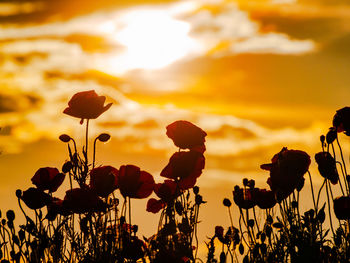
87 141
319 192
256 221
94 154
329 211
342 158
130 215
312 191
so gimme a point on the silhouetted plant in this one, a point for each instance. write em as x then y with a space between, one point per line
91 224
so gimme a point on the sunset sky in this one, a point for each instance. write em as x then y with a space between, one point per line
256 75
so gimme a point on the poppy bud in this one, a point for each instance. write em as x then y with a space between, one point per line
222 257
196 190
245 181
321 216
179 208
251 183
21 234
135 228
269 219
199 200
322 139
10 215
331 136
18 193
67 166
227 202
241 249
65 138
250 222
103 137
219 231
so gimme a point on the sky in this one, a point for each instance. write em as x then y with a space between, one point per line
256 75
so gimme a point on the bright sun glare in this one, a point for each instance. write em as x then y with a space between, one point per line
153 39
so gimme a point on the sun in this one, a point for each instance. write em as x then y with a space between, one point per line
153 39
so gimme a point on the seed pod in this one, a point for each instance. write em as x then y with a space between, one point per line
103 137
10 215
19 193
222 257
67 166
241 249
65 138
227 202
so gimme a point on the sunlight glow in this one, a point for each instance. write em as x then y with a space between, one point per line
153 40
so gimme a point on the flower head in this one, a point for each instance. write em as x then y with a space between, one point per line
265 198
86 105
185 168
134 248
287 171
48 178
341 120
219 231
55 208
341 207
154 205
82 200
135 183
186 135
103 180
244 197
327 166
167 191
34 198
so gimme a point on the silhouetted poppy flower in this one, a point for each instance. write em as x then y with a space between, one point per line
244 197
55 208
82 200
134 183
86 105
219 231
265 198
185 168
154 205
287 171
341 207
341 120
103 180
186 135
48 178
167 191
134 249
34 198
327 166
331 135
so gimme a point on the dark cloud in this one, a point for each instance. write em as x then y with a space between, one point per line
18 102
94 75
299 26
232 132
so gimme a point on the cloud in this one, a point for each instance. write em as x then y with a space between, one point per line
229 30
